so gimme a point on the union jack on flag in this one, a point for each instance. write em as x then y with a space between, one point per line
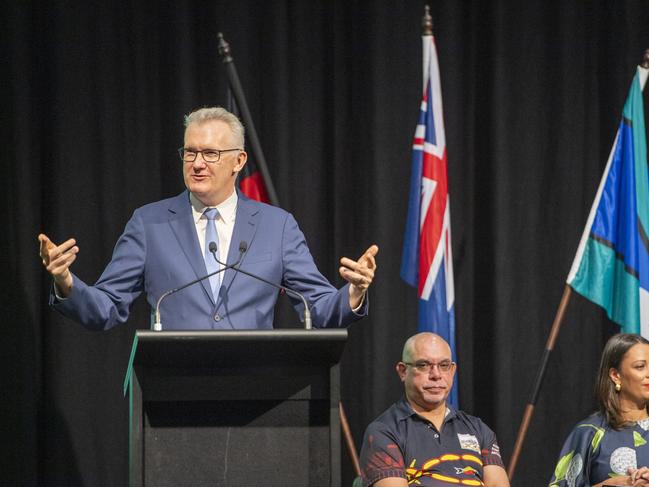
427 261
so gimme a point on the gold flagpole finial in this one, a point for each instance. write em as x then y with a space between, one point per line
427 22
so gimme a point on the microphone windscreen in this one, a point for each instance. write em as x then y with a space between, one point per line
243 246
212 247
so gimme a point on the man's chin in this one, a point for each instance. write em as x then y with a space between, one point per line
196 187
199 192
437 396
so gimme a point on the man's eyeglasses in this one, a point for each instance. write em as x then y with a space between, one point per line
425 366
210 156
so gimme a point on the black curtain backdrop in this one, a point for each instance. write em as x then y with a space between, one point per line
93 95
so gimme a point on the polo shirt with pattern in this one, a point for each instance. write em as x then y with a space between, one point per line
400 443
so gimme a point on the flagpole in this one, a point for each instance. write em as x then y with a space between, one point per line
349 440
540 375
237 90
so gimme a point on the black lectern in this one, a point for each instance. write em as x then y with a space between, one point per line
235 408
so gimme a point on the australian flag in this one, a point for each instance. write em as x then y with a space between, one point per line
427 261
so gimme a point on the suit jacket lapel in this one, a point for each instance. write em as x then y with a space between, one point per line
245 226
182 224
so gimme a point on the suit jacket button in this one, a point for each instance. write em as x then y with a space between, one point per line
217 317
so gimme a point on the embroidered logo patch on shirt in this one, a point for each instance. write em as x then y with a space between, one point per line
468 442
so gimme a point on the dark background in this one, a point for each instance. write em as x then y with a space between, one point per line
93 95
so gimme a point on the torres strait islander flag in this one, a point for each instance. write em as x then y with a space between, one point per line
427 258
611 267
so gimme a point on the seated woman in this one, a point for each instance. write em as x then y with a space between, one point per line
611 447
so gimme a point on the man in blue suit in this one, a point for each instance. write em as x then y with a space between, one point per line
167 243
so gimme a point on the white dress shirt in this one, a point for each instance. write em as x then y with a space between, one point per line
224 223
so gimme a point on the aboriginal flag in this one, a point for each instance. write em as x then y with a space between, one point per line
251 182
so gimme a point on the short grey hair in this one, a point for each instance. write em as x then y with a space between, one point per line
206 114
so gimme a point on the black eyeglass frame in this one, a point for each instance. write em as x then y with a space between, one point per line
183 150
425 367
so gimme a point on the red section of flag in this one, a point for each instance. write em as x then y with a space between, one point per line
433 169
253 187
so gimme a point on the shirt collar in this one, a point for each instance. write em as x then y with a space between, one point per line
227 208
404 410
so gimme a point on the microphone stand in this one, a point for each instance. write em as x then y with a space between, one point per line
157 326
242 248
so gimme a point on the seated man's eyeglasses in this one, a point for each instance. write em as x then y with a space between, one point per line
211 156
425 367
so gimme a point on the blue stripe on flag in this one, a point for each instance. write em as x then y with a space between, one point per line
616 217
410 256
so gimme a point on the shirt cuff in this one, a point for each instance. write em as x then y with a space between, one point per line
56 292
357 308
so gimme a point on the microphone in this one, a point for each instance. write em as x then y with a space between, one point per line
243 246
157 326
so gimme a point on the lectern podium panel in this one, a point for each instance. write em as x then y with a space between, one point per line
237 408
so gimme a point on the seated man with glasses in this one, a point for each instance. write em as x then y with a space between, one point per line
181 239
422 440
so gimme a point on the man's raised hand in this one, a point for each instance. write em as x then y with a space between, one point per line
57 259
360 274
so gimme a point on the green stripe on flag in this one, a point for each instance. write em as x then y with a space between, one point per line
634 110
602 278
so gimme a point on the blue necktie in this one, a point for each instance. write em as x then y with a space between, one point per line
211 236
